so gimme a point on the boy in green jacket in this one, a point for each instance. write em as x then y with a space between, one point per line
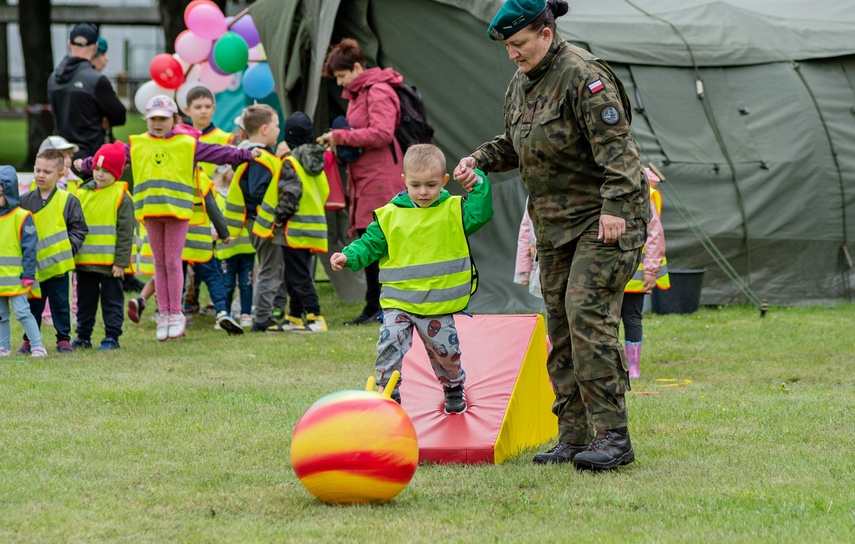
426 271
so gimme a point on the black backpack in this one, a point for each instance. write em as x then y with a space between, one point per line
414 127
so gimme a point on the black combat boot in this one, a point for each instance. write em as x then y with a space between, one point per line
608 450
563 452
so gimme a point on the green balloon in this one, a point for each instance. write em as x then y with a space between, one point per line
231 53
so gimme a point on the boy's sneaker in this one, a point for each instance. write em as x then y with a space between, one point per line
177 325
24 349
64 346
108 344
81 343
365 319
246 321
135 309
264 326
314 323
5 352
455 400
396 396
278 314
208 310
162 327
291 323
38 352
228 323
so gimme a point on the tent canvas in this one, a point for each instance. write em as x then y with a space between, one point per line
759 151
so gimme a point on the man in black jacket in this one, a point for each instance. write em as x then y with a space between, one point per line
81 97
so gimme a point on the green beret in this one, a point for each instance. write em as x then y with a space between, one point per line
513 16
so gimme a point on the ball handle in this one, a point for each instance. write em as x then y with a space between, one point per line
390 386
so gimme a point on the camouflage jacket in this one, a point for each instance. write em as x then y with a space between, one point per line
567 130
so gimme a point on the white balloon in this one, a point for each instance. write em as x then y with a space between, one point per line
146 92
181 93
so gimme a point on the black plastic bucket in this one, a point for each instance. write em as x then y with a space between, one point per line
684 296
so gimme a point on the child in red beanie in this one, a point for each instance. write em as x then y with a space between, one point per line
106 251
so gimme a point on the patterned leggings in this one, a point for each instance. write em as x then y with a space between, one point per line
166 236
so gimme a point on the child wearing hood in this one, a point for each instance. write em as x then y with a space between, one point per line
17 264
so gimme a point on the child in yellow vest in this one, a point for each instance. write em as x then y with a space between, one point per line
106 252
61 228
164 166
426 270
18 240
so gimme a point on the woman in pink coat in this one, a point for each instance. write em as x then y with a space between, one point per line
373 112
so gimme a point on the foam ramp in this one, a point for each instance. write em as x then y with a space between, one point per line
507 390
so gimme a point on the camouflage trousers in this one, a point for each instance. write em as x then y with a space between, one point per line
439 335
582 284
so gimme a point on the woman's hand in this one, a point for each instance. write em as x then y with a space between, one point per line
611 228
465 173
327 139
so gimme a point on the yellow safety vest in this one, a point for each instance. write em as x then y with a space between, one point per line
101 207
239 244
235 205
199 244
663 280
144 255
164 175
11 254
216 136
308 227
428 269
53 250
263 226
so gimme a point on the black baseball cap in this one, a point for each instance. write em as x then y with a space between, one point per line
83 32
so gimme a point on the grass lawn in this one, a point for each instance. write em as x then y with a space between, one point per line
742 427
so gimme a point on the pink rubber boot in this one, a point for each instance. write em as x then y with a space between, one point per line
633 356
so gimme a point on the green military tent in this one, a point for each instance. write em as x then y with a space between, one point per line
747 107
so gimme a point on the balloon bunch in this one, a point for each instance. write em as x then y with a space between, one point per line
213 52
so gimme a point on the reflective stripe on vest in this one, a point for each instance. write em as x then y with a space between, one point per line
663 281
12 261
199 244
235 207
428 269
217 136
238 245
307 228
100 208
144 258
53 250
263 225
165 175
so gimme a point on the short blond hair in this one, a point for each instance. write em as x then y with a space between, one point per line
256 116
54 155
425 158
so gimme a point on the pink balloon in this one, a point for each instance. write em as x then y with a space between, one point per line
245 28
191 47
214 81
206 21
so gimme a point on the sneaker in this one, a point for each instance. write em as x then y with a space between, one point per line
24 349
64 346
135 309
109 343
396 396
455 400
291 323
277 314
177 325
228 323
162 327
246 321
608 450
81 343
264 326
5 352
38 352
365 319
314 323
208 310
562 452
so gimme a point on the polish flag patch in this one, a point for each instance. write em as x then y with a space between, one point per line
596 86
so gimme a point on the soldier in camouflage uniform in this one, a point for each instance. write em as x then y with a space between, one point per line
567 130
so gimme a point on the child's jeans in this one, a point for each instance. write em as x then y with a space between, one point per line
166 235
209 274
55 290
238 270
21 308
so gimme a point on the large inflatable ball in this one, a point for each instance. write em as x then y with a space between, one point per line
355 447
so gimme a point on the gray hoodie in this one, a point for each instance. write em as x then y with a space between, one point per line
9 181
